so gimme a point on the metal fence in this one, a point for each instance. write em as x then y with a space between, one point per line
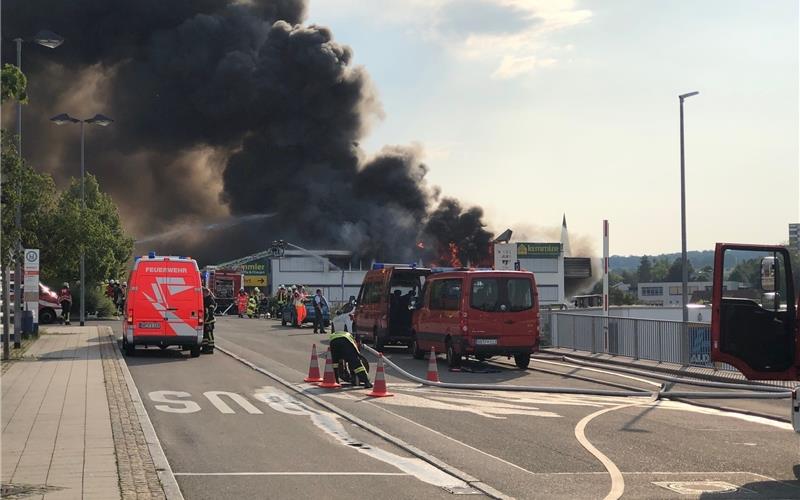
656 340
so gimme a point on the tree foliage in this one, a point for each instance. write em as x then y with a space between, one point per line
14 84
98 231
36 192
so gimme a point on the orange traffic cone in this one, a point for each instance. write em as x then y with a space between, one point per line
330 379
433 372
379 389
313 368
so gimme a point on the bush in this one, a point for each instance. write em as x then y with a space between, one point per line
96 303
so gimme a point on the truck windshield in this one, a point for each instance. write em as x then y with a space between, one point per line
501 294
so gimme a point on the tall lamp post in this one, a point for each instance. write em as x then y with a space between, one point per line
684 261
96 120
50 40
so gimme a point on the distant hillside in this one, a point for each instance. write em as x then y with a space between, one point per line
698 258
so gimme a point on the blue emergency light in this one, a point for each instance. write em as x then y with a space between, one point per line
377 266
151 255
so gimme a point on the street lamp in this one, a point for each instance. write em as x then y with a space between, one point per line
684 262
50 40
103 121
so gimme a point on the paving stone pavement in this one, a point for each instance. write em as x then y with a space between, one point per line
69 429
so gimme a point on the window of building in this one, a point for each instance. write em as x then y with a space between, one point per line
650 291
540 265
548 293
675 290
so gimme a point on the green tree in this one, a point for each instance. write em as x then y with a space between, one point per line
99 231
14 84
747 272
660 270
704 274
38 196
675 272
645 271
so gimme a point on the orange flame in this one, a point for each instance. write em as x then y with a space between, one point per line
455 261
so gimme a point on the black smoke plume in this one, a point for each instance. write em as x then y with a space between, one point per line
226 108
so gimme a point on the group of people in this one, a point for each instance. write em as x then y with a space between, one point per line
252 306
297 296
117 292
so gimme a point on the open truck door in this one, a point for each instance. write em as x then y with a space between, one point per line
755 328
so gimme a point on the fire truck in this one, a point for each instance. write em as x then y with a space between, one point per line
758 335
224 284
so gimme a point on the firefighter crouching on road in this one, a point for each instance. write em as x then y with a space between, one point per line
209 308
251 307
65 299
343 347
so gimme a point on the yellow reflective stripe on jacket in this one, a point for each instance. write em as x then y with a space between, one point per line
360 369
346 335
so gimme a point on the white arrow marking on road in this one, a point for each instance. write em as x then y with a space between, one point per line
214 398
163 397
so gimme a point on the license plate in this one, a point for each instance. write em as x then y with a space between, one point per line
485 341
152 325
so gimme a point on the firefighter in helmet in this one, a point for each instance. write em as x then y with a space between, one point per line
209 308
343 347
241 302
65 299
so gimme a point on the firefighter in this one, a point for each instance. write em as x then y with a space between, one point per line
251 306
343 347
209 308
281 299
65 299
241 302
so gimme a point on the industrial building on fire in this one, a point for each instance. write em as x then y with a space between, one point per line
339 275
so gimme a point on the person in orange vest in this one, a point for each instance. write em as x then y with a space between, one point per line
241 302
300 307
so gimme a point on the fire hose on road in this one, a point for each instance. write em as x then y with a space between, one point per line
759 393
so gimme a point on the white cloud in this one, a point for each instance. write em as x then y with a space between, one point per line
513 36
512 67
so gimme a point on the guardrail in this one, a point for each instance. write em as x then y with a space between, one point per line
655 340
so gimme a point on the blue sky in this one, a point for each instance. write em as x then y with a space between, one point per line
534 108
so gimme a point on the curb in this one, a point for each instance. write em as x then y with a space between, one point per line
163 469
413 450
654 368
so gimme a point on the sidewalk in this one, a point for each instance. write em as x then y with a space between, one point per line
67 428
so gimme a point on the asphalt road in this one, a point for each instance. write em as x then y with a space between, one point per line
525 445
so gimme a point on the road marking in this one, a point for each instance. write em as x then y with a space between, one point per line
453 439
162 397
214 398
291 474
617 481
630 377
329 423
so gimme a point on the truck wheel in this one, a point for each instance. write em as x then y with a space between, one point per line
416 352
128 349
522 360
47 316
195 351
453 358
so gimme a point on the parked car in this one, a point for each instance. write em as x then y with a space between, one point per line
477 313
49 308
289 313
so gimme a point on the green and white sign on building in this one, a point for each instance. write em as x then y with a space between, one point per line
538 250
